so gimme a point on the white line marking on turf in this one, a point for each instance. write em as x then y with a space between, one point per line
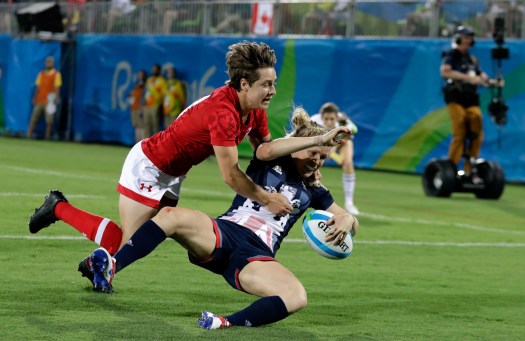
411 243
186 191
43 237
41 195
368 215
227 195
55 173
439 223
88 177
401 242
295 240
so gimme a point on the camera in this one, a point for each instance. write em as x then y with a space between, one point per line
497 107
499 52
498 110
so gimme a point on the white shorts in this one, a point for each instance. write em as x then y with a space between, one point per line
143 182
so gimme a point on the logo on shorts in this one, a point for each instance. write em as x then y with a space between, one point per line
143 186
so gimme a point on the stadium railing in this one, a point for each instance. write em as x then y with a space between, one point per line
298 18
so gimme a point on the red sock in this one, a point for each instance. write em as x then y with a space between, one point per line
101 230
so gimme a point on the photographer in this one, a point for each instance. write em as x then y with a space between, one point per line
463 75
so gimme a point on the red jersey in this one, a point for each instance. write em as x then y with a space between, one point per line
214 120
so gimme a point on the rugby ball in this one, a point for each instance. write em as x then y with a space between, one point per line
315 230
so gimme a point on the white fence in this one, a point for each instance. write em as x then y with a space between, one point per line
364 18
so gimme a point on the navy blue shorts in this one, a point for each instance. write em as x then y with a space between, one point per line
235 247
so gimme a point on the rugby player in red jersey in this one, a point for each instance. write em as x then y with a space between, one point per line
154 169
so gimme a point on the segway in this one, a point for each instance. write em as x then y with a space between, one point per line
486 180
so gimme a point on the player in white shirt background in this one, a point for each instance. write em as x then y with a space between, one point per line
330 117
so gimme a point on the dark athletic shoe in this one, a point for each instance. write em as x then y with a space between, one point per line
45 214
85 270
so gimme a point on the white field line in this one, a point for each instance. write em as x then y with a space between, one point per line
97 178
188 191
58 174
230 195
295 240
414 243
41 195
363 214
440 223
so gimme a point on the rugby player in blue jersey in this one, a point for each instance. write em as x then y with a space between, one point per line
241 244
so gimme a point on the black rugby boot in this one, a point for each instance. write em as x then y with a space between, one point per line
45 214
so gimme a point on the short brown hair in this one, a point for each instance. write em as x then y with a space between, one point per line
244 59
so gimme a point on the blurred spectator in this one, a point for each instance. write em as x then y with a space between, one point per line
5 16
119 8
511 11
154 96
46 98
286 19
418 22
137 105
73 14
318 20
175 98
186 14
170 15
234 18
339 17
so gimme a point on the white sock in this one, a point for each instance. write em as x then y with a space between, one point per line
348 188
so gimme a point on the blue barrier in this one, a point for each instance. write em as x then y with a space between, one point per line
390 88
5 42
25 59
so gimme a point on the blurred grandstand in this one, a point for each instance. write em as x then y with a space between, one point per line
297 18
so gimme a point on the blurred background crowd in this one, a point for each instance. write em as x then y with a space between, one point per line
408 18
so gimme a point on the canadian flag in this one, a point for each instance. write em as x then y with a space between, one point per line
262 19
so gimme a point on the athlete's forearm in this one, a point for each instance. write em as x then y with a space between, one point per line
286 146
243 185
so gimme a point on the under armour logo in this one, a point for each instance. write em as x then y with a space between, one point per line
142 186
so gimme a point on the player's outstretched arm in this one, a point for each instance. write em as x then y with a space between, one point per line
288 145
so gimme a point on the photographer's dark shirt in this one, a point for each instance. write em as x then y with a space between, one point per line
463 93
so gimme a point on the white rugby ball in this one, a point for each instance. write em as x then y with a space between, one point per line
315 230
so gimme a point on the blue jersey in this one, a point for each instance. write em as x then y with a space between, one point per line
462 92
279 175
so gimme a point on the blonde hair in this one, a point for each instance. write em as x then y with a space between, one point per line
303 126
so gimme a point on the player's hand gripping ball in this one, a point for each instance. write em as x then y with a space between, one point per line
315 230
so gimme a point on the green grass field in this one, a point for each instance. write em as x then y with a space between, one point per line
422 268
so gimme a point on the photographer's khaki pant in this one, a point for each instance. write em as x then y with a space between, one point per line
465 120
